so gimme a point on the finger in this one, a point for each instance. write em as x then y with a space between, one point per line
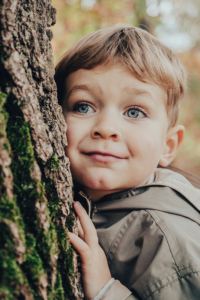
80 230
90 235
80 246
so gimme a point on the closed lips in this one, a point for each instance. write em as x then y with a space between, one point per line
102 153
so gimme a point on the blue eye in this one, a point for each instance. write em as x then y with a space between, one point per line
135 113
83 108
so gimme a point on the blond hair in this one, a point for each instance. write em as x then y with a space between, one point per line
144 55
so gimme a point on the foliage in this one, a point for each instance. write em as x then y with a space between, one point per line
74 20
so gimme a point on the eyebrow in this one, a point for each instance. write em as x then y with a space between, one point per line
76 87
140 92
135 91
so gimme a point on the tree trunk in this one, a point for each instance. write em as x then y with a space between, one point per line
36 259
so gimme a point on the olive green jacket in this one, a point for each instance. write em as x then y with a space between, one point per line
151 237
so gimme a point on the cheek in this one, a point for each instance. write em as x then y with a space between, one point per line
77 132
150 144
72 133
71 139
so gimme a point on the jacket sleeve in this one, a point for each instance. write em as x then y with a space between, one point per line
118 291
184 288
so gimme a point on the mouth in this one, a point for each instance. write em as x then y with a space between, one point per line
103 156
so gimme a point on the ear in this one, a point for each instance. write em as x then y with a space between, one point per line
174 138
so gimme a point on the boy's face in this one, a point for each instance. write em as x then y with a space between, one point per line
117 128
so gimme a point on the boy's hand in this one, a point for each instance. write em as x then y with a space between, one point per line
95 270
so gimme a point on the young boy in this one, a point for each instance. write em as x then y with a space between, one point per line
120 90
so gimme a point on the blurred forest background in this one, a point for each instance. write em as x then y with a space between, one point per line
176 23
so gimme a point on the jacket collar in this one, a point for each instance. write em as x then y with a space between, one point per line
170 192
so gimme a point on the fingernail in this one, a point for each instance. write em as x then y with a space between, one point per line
78 204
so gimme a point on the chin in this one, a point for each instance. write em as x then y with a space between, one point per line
95 179
98 183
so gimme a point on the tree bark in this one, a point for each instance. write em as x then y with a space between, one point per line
36 259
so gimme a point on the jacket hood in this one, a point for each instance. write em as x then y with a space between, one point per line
165 177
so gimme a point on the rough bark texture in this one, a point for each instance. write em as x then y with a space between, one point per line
36 259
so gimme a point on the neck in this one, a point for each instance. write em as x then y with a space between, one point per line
95 195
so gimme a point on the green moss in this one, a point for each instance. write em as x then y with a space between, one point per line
33 265
53 163
70 219
11 276
10 211
60 294
3 98
27 192
3 115
65 262
6 146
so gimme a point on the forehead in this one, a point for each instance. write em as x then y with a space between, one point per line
117 78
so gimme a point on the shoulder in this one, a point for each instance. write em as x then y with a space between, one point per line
181 235
156 251
187 186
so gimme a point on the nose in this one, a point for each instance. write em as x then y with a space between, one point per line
106 128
